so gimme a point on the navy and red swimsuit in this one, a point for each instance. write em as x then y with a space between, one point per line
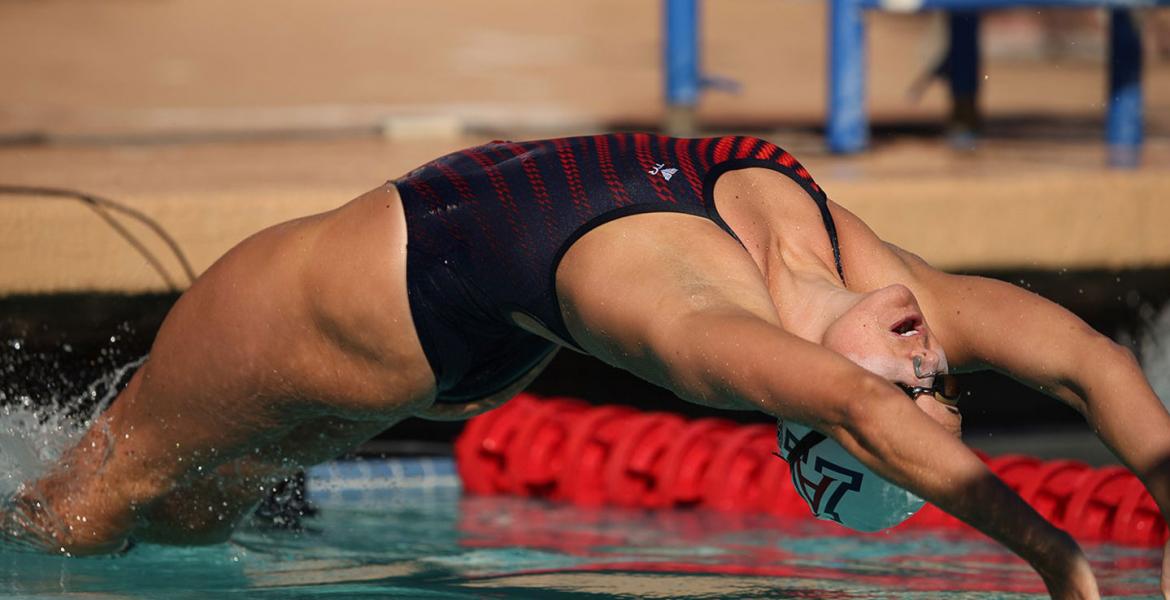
487 227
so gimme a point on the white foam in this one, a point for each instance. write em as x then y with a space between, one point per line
1155 351
35 431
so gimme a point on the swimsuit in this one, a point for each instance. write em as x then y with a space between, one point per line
487 227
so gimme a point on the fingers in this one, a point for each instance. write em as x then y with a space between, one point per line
1166 572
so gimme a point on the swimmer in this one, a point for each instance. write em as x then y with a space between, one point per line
716 268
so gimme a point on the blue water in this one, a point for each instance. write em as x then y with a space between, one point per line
436 544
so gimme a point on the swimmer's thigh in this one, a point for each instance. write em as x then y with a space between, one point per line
303 321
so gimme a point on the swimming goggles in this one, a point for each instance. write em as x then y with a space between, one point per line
945 389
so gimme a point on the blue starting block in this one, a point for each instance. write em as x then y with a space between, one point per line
847 129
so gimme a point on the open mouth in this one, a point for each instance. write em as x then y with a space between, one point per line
907 327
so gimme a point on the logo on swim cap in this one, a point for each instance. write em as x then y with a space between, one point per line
837 487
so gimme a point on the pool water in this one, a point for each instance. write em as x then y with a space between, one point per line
434 543
402 528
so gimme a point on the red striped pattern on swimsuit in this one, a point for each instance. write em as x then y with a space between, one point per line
701 152
723 149
438 207
642 152
504 194
609 173
766 151
540 191
682 151
572 176
468 197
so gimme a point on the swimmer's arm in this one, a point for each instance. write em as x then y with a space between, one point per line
986 323
703 325
732 358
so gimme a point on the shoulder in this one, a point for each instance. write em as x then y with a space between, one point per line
624 281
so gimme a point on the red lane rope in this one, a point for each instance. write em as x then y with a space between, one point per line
566 450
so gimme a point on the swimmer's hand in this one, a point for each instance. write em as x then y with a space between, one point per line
1166 572
1071 578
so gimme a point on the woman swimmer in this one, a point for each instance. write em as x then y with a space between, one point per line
716 268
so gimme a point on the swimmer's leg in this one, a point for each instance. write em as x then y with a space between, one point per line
130 460
304 321
126 480
206 509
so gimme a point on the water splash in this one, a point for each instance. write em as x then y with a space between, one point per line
1155 350
35 431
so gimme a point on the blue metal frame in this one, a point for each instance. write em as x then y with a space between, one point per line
680 52
962 59
847 129
1123 124
917 5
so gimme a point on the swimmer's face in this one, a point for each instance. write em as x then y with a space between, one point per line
885 333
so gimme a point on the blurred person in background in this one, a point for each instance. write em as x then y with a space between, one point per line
714 267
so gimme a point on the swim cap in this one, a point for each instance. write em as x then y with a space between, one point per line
837 487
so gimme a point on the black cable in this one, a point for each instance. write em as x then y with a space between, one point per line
103 206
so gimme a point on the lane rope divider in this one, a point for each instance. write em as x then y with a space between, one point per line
566 450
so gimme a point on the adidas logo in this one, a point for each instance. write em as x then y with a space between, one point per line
659 169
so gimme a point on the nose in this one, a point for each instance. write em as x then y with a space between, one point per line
927 363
